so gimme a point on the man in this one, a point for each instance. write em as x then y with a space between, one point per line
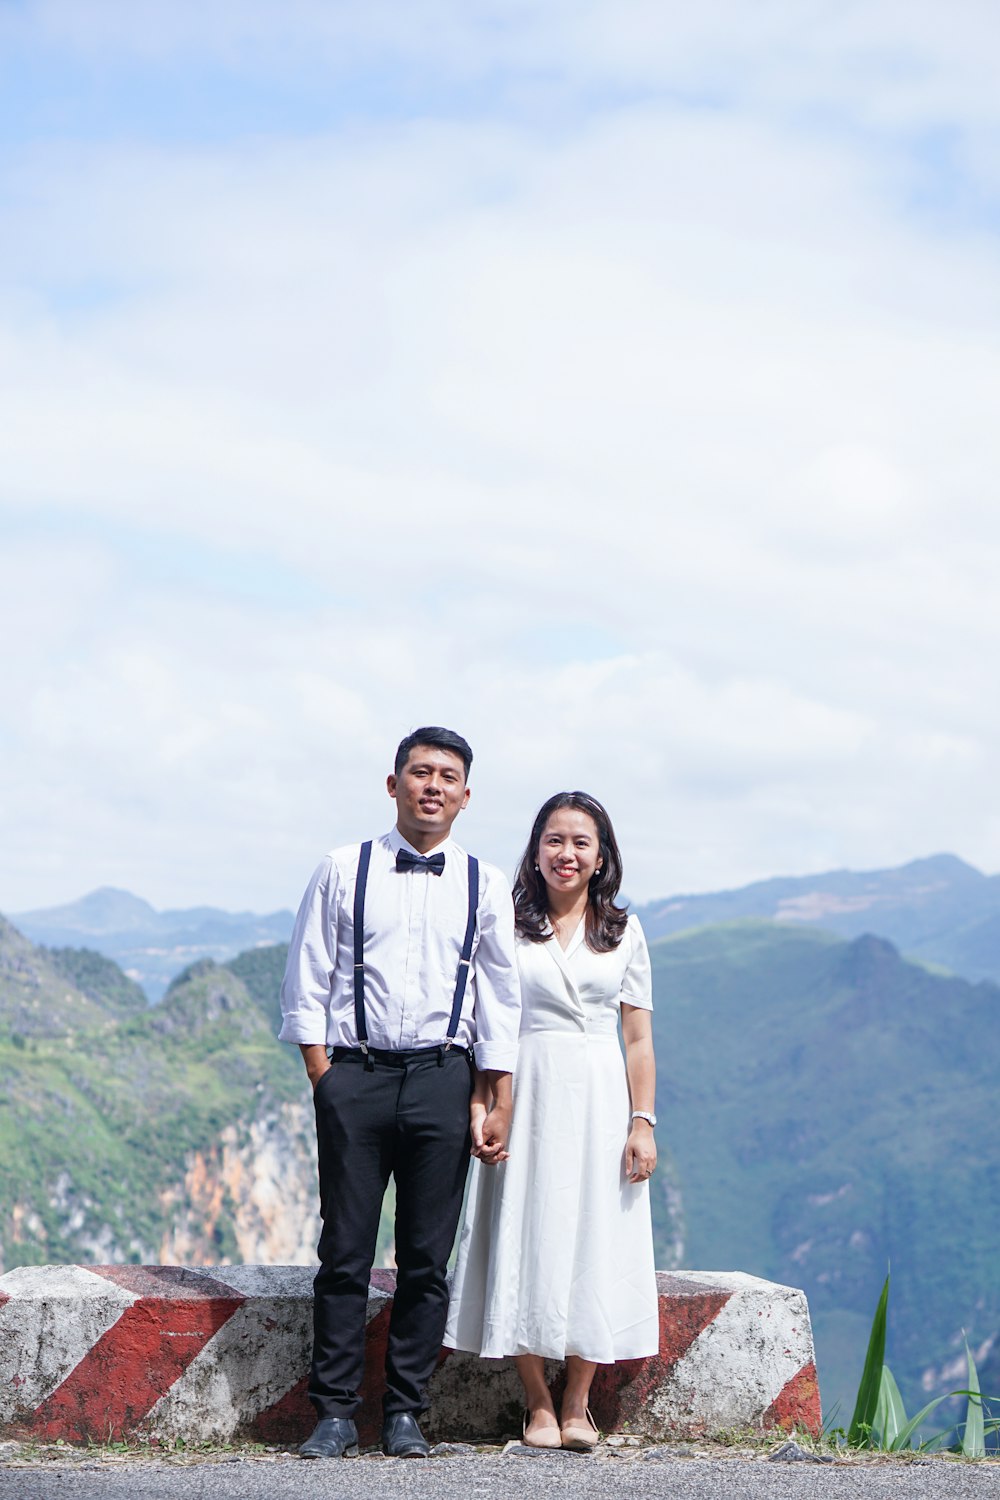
401 971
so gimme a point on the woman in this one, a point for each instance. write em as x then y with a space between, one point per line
556 1255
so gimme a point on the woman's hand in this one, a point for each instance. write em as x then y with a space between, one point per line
637 1034
496 1129
640 1152
477 1114
489 1127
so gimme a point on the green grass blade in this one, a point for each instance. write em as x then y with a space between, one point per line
906 1433
890 1413
863 1420
974 1436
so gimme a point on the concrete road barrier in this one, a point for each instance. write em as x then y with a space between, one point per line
100 1353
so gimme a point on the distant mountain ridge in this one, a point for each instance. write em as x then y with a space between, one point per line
939 910
151 946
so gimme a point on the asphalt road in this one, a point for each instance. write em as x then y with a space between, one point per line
527 1476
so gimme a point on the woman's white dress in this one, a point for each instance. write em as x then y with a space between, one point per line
556 1249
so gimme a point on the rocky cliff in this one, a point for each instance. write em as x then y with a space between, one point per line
181 1133
253 1190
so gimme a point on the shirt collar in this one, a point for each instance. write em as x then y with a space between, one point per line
395 841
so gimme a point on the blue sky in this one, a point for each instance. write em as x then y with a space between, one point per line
614 383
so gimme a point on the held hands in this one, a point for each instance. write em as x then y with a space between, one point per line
490 1110
489 1132
640 1152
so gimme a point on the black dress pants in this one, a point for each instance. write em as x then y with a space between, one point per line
408 1116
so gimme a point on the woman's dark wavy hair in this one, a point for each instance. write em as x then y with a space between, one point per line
605 922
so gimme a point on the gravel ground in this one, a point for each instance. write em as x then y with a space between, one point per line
455 1472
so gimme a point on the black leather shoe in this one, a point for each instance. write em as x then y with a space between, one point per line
332 1437
402 1438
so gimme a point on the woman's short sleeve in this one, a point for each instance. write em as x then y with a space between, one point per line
637 986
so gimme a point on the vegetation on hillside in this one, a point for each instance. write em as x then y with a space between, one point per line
99 978
262 970
115 1116
98 1122
825 1107
830 1108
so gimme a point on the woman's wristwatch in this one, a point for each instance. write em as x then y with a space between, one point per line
644 1114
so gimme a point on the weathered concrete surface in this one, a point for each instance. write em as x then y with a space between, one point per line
104 1352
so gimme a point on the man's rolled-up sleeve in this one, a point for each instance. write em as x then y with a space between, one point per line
312 954
498 990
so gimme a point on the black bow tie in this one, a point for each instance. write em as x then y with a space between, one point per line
434 863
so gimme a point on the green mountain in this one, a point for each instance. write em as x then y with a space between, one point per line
180 1133
262 970
99 978
112 1118
39 997
939 910
826 1107
830 1108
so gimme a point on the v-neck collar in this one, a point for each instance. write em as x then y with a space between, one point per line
577 937
561 957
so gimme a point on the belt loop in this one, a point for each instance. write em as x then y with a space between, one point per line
369 1062
440 1057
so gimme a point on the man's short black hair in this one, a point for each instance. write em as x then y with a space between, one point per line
441 739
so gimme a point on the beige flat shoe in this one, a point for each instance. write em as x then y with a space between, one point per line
580 1436
542 1437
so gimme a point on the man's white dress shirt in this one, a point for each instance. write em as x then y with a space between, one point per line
414 926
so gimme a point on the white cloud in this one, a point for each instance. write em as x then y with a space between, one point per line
655 452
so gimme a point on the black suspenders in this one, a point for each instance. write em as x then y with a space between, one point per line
464 962
359 945
466 958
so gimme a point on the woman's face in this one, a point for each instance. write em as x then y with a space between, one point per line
569 851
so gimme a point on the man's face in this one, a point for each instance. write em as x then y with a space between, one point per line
430 792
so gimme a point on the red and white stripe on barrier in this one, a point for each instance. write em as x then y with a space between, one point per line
107 1352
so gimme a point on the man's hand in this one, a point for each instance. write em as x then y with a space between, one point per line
640 1152
477 1115
495 1130
489 1116
485 1144
316 1061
